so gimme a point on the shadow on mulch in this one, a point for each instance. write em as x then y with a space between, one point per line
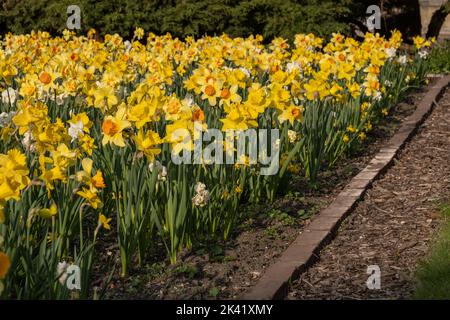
392 226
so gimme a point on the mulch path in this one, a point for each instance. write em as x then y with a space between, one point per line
392 226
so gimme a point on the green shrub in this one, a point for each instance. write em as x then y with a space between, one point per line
440 58
181 18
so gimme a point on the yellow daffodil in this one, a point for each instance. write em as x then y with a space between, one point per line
97 180
316 89
291 114
229 95
354 89
143 112
90 194
212 91
113 127
13 175
105 97
48 213
179 134
104 222
147 143
139 33
238 118
420 42
346 138
87 144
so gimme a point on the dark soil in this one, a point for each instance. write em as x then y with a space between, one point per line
226 271
392 226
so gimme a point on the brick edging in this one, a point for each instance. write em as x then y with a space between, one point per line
303 252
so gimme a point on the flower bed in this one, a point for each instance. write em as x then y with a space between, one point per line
102 137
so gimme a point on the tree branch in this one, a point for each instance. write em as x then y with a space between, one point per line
437 20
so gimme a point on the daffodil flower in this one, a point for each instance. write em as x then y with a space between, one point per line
48 213
113 127
104 222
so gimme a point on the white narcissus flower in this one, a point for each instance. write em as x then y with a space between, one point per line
390 52
76 130
423 54
9 96
162 170
402 59
201 199
200 187
378 96
127 45
6 118
189 99
28 140
293 65
202 196
60 99
292 135
61 272
162 174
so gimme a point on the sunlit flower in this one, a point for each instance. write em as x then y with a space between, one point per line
148 143
105 97
139 33
390 52
291 114
90 194
113 126
97 180
76 130
104 222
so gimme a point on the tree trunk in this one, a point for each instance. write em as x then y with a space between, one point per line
437 20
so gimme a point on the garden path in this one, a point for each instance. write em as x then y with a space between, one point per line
392 226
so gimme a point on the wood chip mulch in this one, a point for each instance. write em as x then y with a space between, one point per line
392 226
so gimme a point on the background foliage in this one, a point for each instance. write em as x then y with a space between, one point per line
185 17
439 59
